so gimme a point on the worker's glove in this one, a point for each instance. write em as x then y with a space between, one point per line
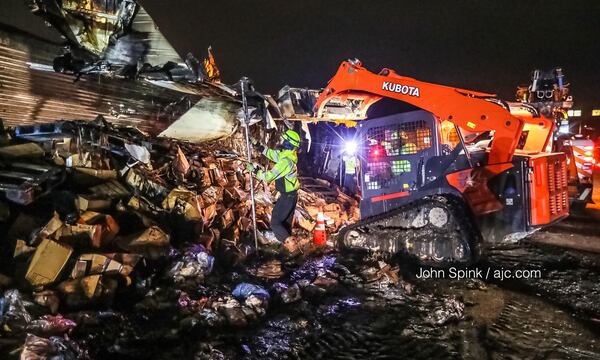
260 175
257 145
251 168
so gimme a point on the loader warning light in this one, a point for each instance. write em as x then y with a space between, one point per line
376 151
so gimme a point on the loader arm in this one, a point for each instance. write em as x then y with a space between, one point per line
467 109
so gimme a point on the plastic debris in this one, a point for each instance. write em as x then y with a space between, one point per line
244 290
193 266
14 312
39 348
139 153
51 325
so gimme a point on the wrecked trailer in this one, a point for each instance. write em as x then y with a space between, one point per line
33 93
116 50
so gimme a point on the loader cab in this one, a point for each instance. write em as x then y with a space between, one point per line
393 155
408 156
404 156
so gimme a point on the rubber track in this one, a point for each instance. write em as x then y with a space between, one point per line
461 215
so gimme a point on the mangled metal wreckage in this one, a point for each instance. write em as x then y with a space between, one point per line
117 40
113 199
114 51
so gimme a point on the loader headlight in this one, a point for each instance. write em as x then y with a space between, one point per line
350 147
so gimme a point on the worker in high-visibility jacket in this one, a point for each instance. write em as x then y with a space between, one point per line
285 175
350 166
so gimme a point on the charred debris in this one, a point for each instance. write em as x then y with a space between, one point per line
97 217
113 227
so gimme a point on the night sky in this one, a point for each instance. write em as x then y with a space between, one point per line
490 46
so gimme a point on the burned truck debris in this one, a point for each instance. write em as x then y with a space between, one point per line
31 94
132 211
115 37
194 108
119 39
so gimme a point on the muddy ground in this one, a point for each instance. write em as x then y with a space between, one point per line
349 308
555 316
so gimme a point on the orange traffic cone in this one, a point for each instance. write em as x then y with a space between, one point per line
319 233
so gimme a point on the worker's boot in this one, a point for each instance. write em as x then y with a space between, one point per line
267 238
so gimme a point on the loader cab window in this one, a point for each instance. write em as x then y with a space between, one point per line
479 141
402 139
390 150
448 137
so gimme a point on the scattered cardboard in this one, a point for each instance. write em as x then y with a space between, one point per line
47 263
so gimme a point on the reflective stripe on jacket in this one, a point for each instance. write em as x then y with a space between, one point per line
284 172
350 164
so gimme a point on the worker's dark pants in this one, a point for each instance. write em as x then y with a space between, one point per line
283 215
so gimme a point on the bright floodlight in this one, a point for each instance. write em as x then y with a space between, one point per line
350 147
563 129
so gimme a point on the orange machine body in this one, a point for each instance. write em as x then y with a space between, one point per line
517 133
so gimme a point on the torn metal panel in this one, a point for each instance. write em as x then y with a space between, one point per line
209 119
144 30
30 96
115 37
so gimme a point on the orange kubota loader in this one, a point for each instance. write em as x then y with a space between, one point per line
442 181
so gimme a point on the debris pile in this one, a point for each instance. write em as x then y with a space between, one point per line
94 213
